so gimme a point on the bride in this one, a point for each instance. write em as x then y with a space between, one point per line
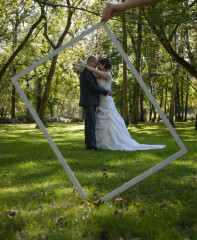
111 132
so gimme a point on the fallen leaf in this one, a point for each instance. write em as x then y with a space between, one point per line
119 199
61 220
75 190
11 213
92 203
105 174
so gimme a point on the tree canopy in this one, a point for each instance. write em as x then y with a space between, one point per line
159 39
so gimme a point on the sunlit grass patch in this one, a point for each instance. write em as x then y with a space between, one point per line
34 184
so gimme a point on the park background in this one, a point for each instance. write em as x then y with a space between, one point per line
38 201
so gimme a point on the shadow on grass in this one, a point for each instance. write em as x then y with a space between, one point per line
33 181
31 159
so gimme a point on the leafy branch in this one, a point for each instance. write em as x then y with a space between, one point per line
66 6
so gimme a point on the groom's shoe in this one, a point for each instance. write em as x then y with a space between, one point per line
88 148
94 149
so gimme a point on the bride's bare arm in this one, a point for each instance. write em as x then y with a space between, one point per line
102 74
97 76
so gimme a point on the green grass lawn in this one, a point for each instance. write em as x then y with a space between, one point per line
46 205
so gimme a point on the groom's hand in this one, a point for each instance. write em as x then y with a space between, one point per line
109 92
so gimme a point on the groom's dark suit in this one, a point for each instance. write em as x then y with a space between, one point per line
89 100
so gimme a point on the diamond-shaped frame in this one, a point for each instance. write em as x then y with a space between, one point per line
55 149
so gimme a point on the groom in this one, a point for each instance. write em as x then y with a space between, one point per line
89 100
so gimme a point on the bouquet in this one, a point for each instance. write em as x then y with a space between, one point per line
78 67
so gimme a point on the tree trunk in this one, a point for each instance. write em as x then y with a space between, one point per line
159 32
51 109
166 97
173 91
28 115
14 44
155 114
13 103
175 106
135 110
136 91
177 103
44 101
39 93
186 104
141 106
20 47
161 101
151 111
2 112
182 108
172 100
124 92
151 106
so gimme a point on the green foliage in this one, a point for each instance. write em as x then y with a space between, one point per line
157 67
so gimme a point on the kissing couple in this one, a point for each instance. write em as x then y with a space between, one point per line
104 126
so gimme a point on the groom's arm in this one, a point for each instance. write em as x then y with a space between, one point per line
91 83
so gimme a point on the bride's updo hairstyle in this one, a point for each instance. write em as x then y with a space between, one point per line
106 62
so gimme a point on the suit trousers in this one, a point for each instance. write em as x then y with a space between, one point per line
90 122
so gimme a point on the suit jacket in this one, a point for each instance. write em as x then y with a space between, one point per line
89 89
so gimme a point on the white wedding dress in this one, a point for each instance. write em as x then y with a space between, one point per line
111 132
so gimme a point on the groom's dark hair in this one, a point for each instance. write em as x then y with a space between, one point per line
91 59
